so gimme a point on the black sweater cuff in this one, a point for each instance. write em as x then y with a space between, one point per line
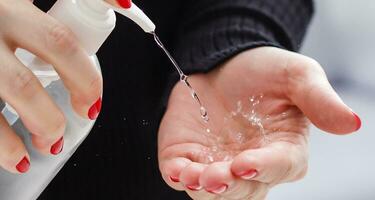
213 31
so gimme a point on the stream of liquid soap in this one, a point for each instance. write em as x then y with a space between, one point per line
184 79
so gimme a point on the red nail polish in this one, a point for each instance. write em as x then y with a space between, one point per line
218 190
24 165
247 175
174 179
194 187
57 147
95 109
358 121
125 3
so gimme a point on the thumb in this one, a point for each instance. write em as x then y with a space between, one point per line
311 91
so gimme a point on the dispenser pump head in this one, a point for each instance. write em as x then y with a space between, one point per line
133 12
92 21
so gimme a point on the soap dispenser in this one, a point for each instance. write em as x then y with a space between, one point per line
92 21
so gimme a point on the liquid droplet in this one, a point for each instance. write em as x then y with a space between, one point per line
204 114
239 107
145 122
183 78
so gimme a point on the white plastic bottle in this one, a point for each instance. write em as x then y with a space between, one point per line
92 21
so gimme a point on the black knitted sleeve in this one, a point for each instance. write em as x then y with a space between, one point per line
212 31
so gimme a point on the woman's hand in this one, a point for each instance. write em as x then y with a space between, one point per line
260 104
22 25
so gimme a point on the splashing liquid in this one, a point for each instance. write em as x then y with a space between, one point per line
184 79
242 129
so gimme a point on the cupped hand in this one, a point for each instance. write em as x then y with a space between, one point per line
22 25
260 105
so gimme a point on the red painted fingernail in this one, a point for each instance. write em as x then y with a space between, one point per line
57 147
358 121
247 175
24 165
194 187
95 109
174 179
218 190
125 3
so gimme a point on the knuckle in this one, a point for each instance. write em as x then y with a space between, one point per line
96 85
49 132
288 164
313 65
302 169
61 39
294 69
59 125
90 93
10 153
292 165
23 83
13 150
302 174
296 166
298 69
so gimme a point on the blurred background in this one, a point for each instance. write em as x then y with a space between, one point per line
342 39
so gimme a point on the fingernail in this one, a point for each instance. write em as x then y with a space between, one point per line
57 147
358 121
125 3
95 109
174 179
24 165
218 190
247 175
194 187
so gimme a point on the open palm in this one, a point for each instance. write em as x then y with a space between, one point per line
260 104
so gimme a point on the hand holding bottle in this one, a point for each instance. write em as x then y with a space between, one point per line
25 26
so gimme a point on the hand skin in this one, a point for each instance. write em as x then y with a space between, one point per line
25 26
294 87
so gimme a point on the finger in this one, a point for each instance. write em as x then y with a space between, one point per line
273 164
190 180
121 3
23 91
311 91
171 170
218 179
57 44
189 176
13 154
173 175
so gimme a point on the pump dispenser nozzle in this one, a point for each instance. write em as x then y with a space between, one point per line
136 15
